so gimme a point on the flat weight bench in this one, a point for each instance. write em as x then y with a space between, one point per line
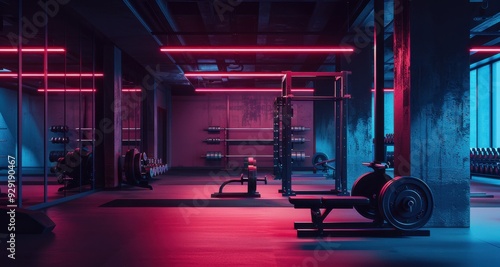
318 228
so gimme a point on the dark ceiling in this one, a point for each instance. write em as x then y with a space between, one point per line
141 27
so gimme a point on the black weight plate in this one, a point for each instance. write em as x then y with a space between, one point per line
319 157
129 165
138 167
369 185
406 203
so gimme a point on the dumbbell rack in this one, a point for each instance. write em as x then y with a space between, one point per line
485 162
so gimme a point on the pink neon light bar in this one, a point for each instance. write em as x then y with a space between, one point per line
485 49
132 90
53 75
250 90
284 49
31 50
233 74
67 90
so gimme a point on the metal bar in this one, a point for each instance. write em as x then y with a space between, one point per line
245 156
226 134
93 114
247 129
45 112
19 158
89 129
314 74
276 139
339 151
247 140
341 184
80 121
286 135
319 98
256 140
379 81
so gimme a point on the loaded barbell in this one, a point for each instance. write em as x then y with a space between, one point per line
295 140
217 155
59 140
216 129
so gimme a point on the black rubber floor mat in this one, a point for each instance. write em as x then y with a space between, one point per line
208 203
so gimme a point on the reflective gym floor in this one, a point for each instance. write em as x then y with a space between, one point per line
177 224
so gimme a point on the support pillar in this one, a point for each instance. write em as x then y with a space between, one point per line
359 113
149 120
109 119
431 102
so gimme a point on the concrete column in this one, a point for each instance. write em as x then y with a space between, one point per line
149 120
432 102
109 119
359 114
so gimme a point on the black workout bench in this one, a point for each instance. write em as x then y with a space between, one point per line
318 228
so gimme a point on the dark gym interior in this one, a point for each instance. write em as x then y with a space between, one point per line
250 133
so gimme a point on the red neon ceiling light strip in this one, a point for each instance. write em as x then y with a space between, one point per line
83 90
31 50
250 49
250 90
53 75
486 49
67 90
233 74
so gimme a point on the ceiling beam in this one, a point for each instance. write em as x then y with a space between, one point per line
318 21
164 10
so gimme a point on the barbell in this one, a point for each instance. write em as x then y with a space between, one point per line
216 129
217 155
59 140
295 140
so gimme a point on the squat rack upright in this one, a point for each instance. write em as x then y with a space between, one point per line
282 130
